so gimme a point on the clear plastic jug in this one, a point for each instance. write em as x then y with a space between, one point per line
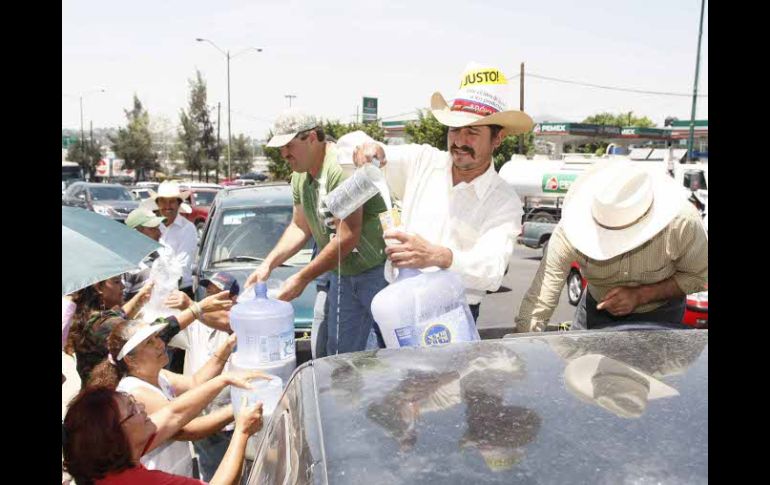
423 309
356 190
265 331
266 392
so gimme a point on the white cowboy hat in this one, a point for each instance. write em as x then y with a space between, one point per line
580 374
170 190
615 207
482 100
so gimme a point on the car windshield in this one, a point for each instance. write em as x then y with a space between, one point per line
204 198
252 233
110 193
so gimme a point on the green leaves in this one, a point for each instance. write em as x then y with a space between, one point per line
86 154
197 141
134 142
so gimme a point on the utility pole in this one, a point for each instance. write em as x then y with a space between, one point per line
219 112
289 97
521 105
695 86
82 134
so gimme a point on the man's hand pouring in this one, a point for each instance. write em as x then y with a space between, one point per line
364 154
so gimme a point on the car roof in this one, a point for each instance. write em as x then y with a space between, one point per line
265 195
517 410
97 184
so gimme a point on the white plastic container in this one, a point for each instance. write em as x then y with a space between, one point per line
356 190
267 392
265 332
423 309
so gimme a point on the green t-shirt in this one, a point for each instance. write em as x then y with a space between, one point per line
308 192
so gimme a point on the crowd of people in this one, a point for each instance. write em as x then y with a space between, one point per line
640 244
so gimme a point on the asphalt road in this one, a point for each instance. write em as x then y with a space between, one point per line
499 309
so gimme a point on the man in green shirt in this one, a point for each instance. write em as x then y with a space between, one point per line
352 249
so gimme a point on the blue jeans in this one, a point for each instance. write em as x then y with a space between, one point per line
211 450
587 317
355 313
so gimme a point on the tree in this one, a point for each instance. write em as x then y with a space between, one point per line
134 143
609 119
427 129
86 154
622 119
243 154
336 129
277 166
197 143
164 142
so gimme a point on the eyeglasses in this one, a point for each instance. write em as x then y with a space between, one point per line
133 408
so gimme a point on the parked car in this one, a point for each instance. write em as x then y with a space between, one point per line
244 225
111 200
140 193
535 235
696 312
148 185
199 185
568 407
242 182
258 176
200 201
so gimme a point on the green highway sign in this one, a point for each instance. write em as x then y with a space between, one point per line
370 110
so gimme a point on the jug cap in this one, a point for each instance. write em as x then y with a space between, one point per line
260 289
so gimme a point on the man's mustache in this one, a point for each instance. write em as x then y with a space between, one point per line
464 148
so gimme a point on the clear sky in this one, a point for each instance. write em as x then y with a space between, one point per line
331 53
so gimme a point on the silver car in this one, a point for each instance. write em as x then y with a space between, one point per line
568 407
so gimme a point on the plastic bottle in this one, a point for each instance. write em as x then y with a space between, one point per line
357 189
422 309
266 392
265 332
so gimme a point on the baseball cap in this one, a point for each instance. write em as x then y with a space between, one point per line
289 124
144 218
224 281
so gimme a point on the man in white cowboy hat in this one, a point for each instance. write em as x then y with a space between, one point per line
457 212
357 240
177 232
639 242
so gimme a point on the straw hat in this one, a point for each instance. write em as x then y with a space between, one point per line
483 99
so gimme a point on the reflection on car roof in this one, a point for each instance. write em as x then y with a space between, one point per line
572 407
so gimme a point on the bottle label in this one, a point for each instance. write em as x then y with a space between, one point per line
452 326
405 336
276 347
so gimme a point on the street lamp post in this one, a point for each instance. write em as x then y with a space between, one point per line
695 87
228 56
82 132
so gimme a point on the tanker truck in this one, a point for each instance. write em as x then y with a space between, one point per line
542 184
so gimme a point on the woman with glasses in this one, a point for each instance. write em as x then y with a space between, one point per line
135 365
106 433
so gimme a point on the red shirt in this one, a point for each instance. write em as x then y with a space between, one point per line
139 474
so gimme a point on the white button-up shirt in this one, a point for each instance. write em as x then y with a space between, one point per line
478 221
182 237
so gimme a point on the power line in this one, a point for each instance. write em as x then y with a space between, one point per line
612 88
